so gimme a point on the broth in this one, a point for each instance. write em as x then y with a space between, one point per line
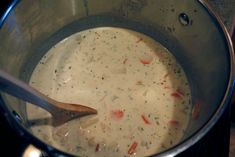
140 91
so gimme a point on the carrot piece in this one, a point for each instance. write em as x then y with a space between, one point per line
176 95
174 123
132 149
196 110
145 119
97 148
117 114
145 61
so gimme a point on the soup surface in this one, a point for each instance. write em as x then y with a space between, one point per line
140 91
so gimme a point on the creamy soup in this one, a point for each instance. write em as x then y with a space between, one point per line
140 91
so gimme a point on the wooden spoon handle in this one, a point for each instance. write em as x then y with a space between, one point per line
21 90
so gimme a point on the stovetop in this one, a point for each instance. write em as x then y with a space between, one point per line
214 144
10 143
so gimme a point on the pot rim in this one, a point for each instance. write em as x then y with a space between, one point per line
182 146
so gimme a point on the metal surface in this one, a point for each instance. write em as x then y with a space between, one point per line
226 10
4 16
202 46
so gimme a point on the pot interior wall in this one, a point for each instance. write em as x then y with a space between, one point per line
184 27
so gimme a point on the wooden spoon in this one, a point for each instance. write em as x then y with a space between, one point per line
61 112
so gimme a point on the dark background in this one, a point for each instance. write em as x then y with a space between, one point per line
3 5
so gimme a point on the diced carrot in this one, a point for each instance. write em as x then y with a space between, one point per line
146 58
174 123
139 40
97 148
145 119
196 110
117 114
145 61
176 95
132 149
124 61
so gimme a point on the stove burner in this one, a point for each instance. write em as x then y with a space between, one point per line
31 151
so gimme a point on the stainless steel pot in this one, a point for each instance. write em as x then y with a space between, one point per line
189 29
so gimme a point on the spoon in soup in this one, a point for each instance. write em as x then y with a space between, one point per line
61 112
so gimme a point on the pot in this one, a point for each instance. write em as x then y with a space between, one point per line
189 29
